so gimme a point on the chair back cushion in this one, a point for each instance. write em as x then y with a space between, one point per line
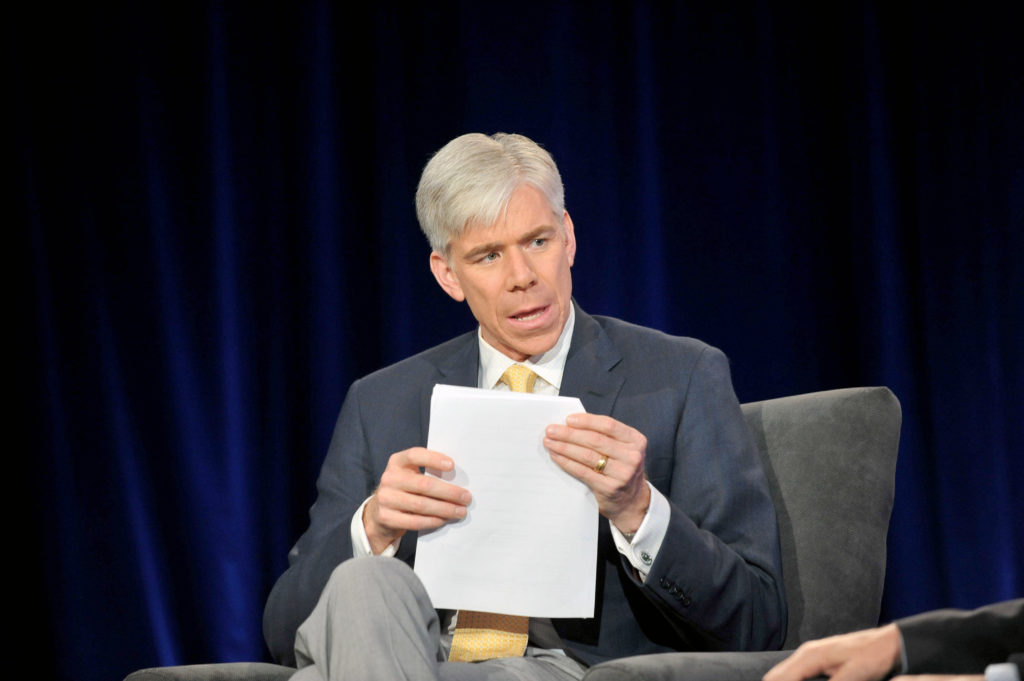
830 458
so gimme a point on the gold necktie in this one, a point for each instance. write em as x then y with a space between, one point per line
519 379
487 635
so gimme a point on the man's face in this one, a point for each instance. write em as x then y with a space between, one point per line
514 274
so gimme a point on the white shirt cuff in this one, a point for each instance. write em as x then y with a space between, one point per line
360 542
643 550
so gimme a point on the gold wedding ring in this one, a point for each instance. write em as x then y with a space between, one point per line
601 463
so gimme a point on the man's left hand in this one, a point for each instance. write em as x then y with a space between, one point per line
581 445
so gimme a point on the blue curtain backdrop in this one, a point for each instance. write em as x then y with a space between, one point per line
214 235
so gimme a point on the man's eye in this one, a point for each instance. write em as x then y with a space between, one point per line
490 257
538 242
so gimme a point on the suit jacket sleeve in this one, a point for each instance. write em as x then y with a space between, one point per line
960 641
718 573
349 474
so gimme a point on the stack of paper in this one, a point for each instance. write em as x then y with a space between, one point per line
528 544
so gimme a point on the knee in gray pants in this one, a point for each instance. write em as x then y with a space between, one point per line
373 619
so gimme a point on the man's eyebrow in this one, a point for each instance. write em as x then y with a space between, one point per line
537 231
483 249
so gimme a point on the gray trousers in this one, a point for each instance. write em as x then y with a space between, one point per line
374 621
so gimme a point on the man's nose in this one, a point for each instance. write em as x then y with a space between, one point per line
521 274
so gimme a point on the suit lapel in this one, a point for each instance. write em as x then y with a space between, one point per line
460 367
590 366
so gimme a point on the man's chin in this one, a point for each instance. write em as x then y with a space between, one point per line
526 348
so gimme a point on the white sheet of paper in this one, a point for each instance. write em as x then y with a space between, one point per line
528 544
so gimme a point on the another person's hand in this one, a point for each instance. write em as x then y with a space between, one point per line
406 499
608 457
866 655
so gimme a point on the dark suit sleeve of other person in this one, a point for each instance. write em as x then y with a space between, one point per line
962 641
716 582
383 413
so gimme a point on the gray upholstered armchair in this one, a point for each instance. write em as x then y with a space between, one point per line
831 461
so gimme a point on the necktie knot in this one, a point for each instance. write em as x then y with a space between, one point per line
519 379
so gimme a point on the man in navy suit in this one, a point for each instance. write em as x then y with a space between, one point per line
688 544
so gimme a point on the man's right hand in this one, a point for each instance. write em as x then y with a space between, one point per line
406 499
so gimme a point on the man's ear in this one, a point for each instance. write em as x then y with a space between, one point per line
446 277
570 237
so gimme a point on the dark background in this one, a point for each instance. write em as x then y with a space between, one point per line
214 234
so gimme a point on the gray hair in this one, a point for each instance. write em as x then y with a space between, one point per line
470 181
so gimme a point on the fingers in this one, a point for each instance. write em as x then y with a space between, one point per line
861 656
404 488
606 425
406 499
588 442
422 458
589 438
809 660
584 463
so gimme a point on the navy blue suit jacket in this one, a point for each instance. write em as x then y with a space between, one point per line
716 583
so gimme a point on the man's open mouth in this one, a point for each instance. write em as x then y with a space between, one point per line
529 315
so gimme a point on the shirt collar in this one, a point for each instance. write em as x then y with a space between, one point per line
548 365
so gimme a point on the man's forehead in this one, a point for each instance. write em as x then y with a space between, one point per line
507 232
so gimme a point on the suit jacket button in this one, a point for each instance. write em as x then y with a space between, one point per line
687 601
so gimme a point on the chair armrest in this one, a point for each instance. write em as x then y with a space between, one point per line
689 666
232 671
